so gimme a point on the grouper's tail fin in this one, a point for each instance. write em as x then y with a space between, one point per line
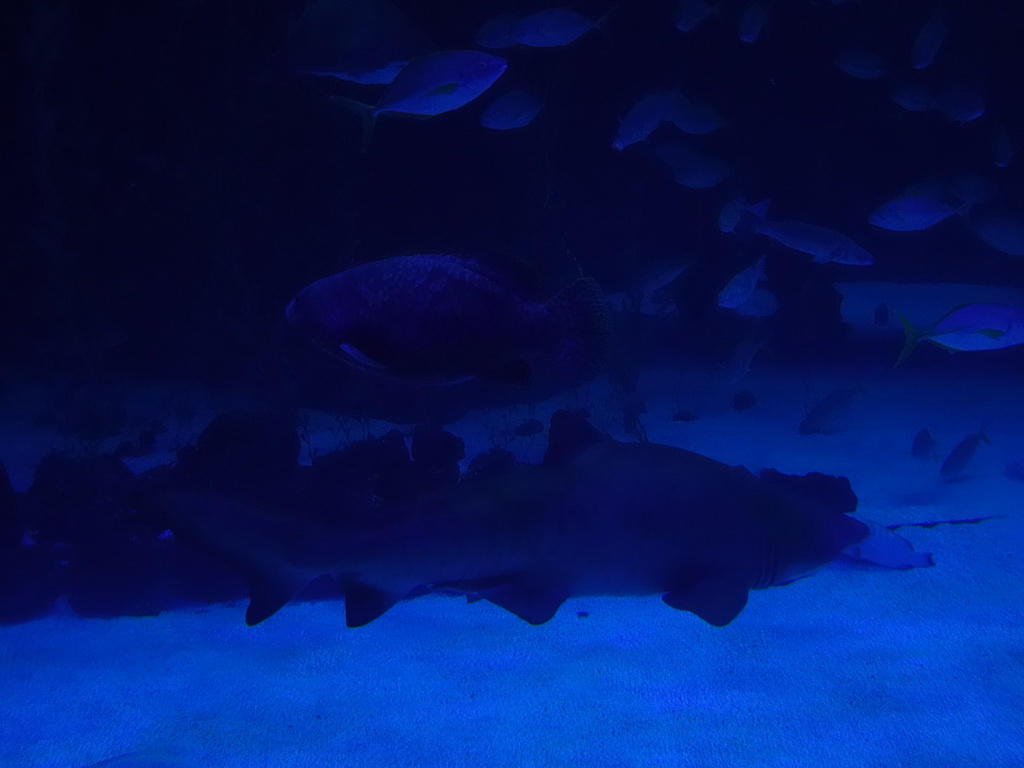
242 535
581 327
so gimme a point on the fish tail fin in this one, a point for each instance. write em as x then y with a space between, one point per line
365 112
913 338
601 25
581 327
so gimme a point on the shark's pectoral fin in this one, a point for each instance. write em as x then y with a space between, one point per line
533 603
269 591
364 603
715 599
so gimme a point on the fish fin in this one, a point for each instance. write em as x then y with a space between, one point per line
581 327
716 599
364 603
568 436
269 591
366 113
533 603
885 548
913 338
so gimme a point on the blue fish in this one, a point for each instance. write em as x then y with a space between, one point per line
930 39
432 85
555 27
821 243
515 109
690 13
691 168
438 319
1004 233
499 32
911 214
367 42
862 63
751 22
960 104
644 118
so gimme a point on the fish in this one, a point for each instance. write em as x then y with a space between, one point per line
968 328
1004 233
516 109
643 119
431 85
924 447
862 63
929 40
692 117
821 243
960 104
954 467
824 417
913 96
555 27
888 549
740 287
691 168
367 42
596 518
751 22
690 13
760 303
441 319
499 32
911 214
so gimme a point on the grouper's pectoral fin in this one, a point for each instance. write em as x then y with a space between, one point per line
715 599
531 602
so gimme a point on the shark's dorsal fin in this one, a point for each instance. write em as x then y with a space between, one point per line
717 599
569 435
533 603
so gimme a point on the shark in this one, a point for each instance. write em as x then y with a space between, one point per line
597 517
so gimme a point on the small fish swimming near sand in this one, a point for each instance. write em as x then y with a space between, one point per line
739 288
822 244
955 465
438 319
824 417
924 447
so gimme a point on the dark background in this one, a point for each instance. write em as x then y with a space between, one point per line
168 184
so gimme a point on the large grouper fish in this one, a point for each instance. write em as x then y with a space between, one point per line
597 518
438 319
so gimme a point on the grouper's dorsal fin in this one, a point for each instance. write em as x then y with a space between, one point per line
717 599
532 602
364 603
569 435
